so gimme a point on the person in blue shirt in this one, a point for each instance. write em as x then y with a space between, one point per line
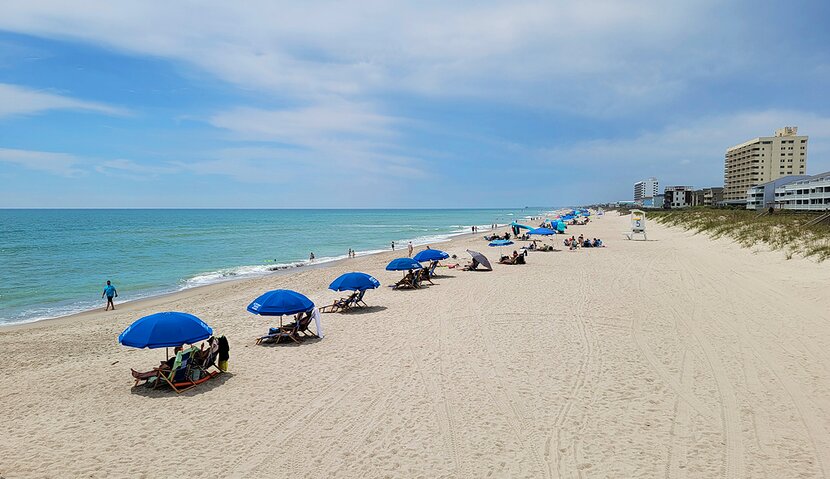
109 292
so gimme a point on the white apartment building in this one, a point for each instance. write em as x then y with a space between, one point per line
645 191
678 196
809 193
763 159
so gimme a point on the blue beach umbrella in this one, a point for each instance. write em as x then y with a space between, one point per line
500 243
164 330
354 282
431 255
542 232
280 302
403 264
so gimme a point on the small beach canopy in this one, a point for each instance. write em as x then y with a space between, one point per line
403 264
480 258
501 243
354 282
542 232
430 255
517 225
164 330
280 302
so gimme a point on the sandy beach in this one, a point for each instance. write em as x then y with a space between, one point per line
680 356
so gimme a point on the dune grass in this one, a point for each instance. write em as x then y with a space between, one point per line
785 231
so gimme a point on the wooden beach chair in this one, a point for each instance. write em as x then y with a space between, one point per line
358 300
342 304
294 331
423 275
180 377
411 280
203 368
432 268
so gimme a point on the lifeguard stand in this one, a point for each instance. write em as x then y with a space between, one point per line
638 224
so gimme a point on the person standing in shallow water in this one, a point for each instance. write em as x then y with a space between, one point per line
109 292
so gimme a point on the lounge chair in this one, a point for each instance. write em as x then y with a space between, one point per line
411 280
341 304
183 375
358 300
294 331
423 275
200 369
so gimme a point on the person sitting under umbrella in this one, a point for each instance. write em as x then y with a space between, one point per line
164 366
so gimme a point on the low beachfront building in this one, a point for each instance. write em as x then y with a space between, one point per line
677 196
707 196
805 193
764 195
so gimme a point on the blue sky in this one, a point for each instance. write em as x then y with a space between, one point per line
389 104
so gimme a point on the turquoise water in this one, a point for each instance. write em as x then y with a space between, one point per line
55 262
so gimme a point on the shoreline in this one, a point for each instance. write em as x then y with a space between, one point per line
154 298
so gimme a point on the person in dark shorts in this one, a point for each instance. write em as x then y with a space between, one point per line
109 292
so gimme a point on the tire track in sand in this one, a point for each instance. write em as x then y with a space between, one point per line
679 429
554 440
803 403
730 412
656 366
443 411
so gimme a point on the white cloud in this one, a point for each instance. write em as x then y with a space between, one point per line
586 57
61 164
131 169
340 135
17 100
308 125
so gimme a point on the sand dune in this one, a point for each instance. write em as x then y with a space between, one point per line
676 357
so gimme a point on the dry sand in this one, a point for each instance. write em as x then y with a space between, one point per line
674 357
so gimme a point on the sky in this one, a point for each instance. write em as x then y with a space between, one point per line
395 104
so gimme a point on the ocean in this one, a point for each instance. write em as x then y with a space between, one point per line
56 262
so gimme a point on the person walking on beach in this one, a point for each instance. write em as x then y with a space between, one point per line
311 256
409 248
109 292
393 246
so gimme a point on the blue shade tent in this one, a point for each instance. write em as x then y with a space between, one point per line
164 330
403 264
280 302
430 255
354 282
521 226
501 243
542 232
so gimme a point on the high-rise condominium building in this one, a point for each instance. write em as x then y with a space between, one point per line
763 159
645 191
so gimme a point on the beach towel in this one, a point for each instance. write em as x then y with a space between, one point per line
318 323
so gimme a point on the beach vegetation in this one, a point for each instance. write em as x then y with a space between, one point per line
793 232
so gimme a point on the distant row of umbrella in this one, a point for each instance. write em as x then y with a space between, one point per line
171 329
